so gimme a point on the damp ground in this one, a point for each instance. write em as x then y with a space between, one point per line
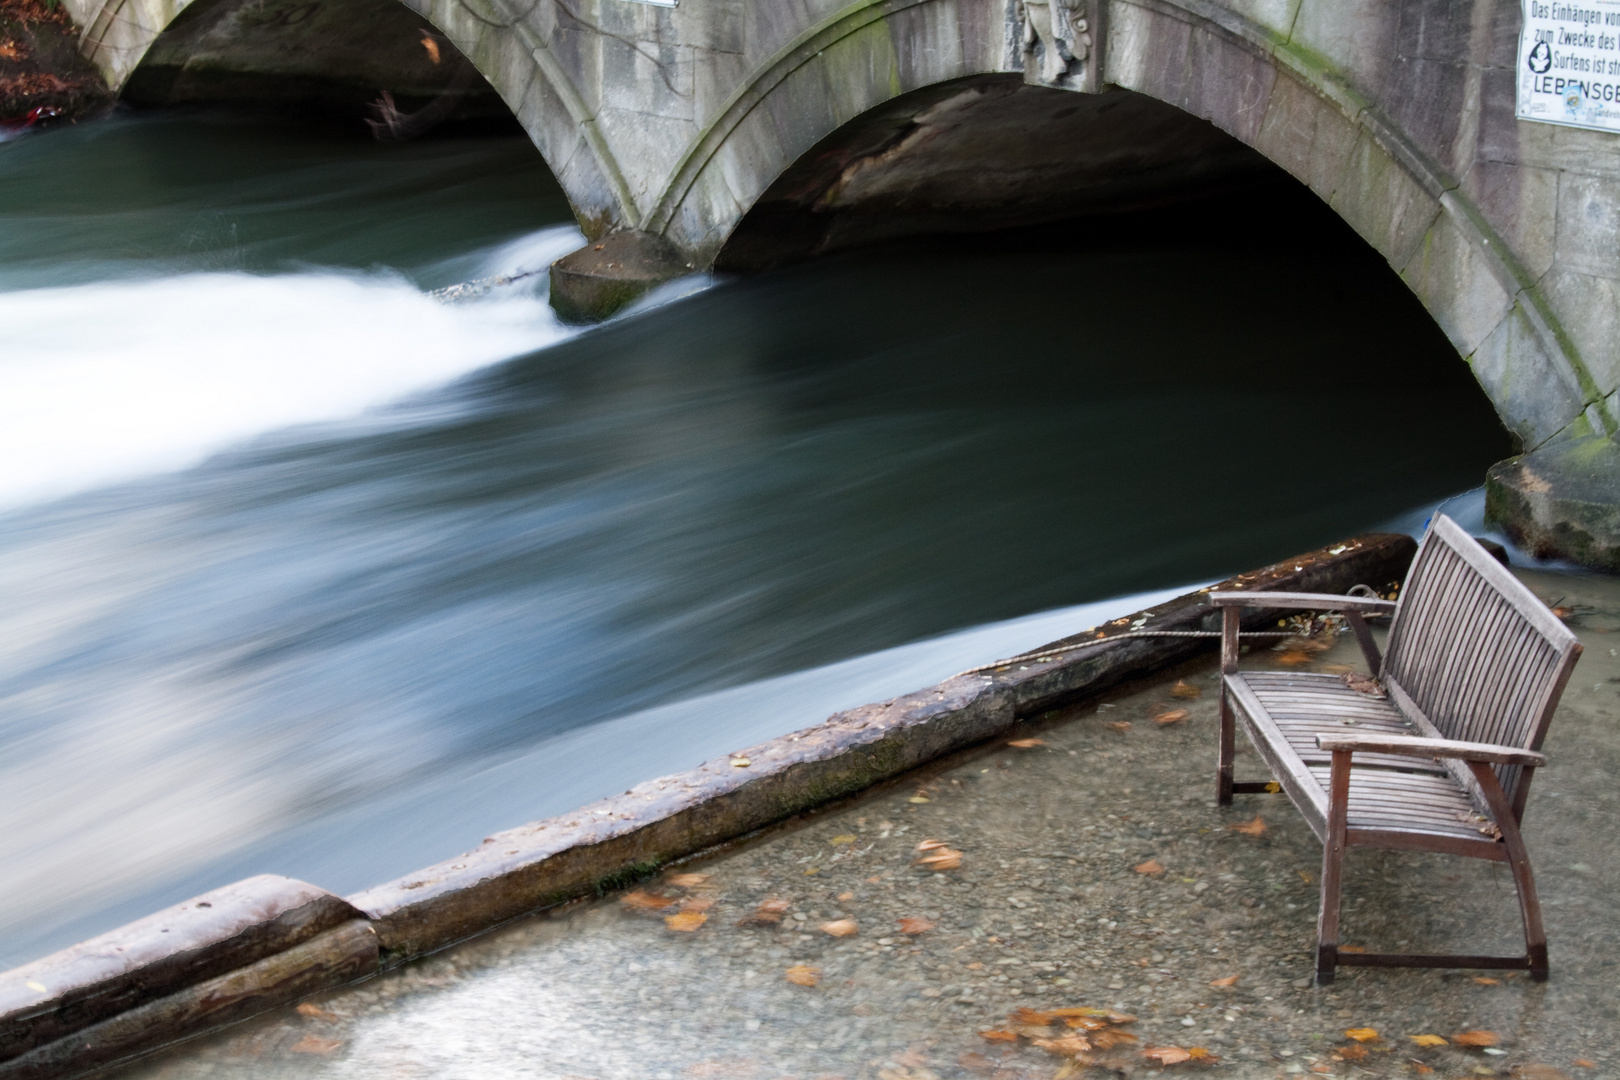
1095 871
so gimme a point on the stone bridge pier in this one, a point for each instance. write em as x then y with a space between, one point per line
745 133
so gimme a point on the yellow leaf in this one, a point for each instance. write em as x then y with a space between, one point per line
803 975
1201 1053
1150 867
1475 1038
685 921
918 799
1427 1040
1027 744
1257 827
1486 980
1174 716
1273 787
1362 1034
1185 689
641 900
839 927
1230 980
845 838
1307 877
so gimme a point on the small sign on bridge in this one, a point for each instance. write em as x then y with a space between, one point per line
1569 63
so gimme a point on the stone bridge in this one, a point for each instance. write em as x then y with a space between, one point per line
742 133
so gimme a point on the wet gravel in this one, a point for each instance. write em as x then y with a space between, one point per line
1048 909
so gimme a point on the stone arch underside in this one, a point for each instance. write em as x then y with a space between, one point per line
675 121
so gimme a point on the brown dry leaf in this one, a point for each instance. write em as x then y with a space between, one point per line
803 975
431 46
839 927
685 921
1065 1046
914 925
1362 1034
1583 1063
973 1061
1174 716
697 903
1307 877
1422 1069
1032 1031
1292 657
1121 726
1108 1038
846 896
1427 1040
688 881
1202 1053
769 911
999 1036
1230 980
1026 744
1185 689
1257 827
940 859
931 845
1167 1055
1486 980
1109 1015
1563 612
1150 867
1352 1053
1086 1023
1030 1016
641 900
1362 684
315 1012
1476 1038
314 1044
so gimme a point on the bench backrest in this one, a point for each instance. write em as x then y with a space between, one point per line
1473 651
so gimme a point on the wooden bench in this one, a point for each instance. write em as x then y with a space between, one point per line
1437 755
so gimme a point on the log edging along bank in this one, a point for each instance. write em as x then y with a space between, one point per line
266 941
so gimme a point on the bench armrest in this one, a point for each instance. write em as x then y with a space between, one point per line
1312 601
1433 748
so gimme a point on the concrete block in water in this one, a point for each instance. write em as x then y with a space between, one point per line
1562 501
592 283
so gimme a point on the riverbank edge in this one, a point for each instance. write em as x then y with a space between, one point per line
47 1028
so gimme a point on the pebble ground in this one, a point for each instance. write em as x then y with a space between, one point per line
1048 909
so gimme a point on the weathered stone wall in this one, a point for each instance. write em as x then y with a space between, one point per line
1398 113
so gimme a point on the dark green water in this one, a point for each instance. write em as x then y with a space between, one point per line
307 572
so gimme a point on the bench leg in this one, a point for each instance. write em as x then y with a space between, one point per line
1228 751
1535 937
1327 921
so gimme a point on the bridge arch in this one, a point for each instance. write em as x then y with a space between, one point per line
674 121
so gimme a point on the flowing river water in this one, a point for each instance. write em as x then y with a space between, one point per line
307 571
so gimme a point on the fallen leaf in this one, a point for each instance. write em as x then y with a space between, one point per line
1486 980
1352 1053
1422 1069
1107 1038
940 859
931 845
839 927
1174 716
913 925
688 881
1230 980
999 1036
1185 689
697 903
770 911
1086 1023
973 1061
1427 1040
315 1012
846 896
1563 612
314 1044
1583 1063
1352 948
1362 684
1065 1046
1027 744
1202 1053
1476 1038
1030 1016
685 921
1094 1013
1272 787
1121 726
918 799
641 900
740 763
431 46
1167 1055
1150 867
1292 657
1257 827
1362 1034
1307 877
844 838
803 975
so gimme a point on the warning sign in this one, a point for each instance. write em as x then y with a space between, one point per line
1569 63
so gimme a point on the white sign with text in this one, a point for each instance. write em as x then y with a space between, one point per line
1569 63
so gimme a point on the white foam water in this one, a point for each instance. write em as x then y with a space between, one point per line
109 380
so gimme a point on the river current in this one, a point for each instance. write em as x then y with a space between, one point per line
308 571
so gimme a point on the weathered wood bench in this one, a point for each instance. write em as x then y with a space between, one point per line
1437 755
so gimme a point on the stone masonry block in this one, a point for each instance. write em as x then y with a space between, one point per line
648 77
1457 285
1521 203
1589 309
1383 203
1307 135
1589 224
1229 83
1533 396
1147 52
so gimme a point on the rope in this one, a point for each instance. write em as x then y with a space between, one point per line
1040 656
